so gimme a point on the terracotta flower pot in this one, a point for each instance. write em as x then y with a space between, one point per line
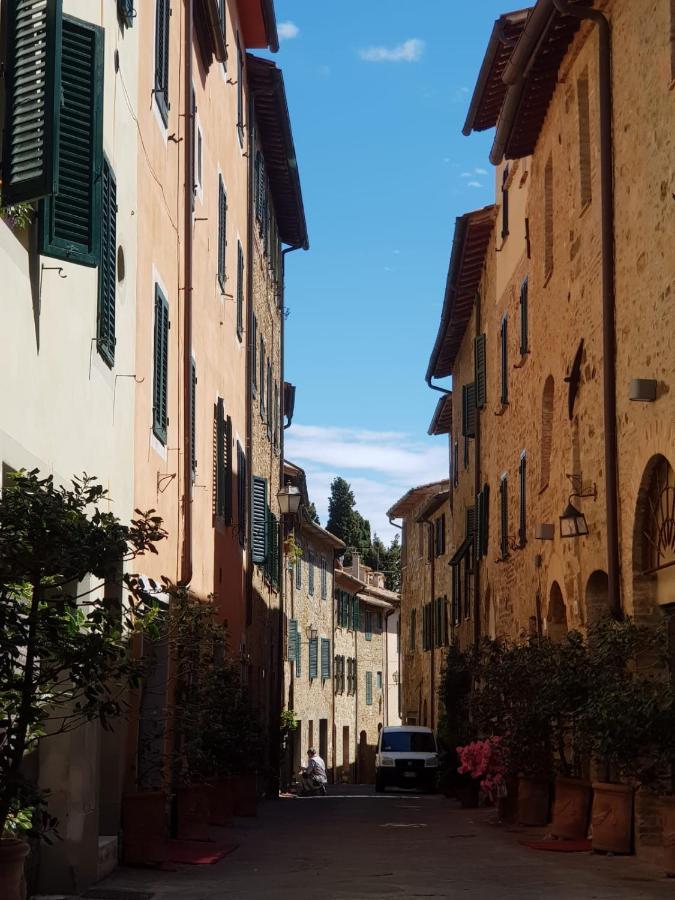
144 829
534 796
668 821
245 789
12 858
193 812
221 802
571 808
612 817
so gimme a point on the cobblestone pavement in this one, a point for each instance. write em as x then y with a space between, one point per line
356 845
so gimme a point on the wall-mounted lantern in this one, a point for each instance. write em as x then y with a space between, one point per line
312 632
573 521
289 498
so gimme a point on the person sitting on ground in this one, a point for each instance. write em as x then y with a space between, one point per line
313 776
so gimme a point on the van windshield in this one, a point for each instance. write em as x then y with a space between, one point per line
408 742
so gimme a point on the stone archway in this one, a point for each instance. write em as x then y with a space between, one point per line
654 541
556 615
598 605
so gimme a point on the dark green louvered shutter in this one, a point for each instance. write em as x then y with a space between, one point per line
242 493
273 545
313 657
368 625
480 371
259 519
522 517
219 455
478 525
70 221
356 614
292 638
469 410
228 470
524 325
325 658
504 516
193 417
240 291
505 362
369 688
485 527
32 100
107 273
222 232
160 419
298 655
162 14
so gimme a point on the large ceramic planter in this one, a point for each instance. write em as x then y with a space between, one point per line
193 812
12 858
534 797
144 829
245 788
571 808
612 817
668 822
221 802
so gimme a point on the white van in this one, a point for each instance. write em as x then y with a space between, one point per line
407 756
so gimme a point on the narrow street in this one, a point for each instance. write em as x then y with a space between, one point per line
356 844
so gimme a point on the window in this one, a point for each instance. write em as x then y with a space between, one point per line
160 378
240 290
262 377
240 95
412 634
378 680
469 410
439 527
107 272
548 218
504 516
480 371
298 655
524 325
584 139
162 15
242 493
310 574
356 617
193 419
223 463
481 522
546 432
259 532
70 220
505 362
505 203
522 516
325 659
324 579
313 658
369 688
456 594
260 191
368 625
222 233
292 639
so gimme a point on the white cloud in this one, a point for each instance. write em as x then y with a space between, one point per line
474 184
409 51
480 171
466 175
380 466
287 31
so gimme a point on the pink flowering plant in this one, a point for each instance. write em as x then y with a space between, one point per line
486 762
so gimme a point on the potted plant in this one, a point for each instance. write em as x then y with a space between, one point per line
64 655
485 762
456 726
625 724
17 215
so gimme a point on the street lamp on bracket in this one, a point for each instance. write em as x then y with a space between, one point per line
289 498
573 521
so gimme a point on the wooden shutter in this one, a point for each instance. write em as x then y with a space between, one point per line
259 519
478 525
222 231
193 417
162 14
292 638
298 573
273 554
469 410
70 221
32 100
219 453
107 272
298 655
240 291
524 336
310 574
313 657
242 493
369 688
356 614
522 486
455 463
480 371
368 625
228 471
485 526
504 516
504 362
324 579
160 417
325 658
270 409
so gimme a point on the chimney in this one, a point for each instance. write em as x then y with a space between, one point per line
356 564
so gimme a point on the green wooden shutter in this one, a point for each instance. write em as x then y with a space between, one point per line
228 471
259 519
368 625
356 614
242 493
478 524
469 410
325 658
70 221
522 517
480 371
222 232
324 579
298 655
369 688
160 419
193 417
292 638
313 657
32 100
273 545
107 273
162 15
298 573
524 325
240 291
485 527
504 516
219 452
505 362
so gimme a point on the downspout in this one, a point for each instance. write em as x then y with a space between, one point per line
186 554
431 649
333 728
608 294
477 490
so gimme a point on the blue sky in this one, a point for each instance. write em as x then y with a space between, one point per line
377 98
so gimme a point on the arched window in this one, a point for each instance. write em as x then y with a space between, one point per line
654 539
546 432
556 619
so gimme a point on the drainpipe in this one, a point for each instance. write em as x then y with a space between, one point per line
477 489
432 652
186 550
608 294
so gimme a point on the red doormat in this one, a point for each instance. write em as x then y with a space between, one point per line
198 853
559 846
